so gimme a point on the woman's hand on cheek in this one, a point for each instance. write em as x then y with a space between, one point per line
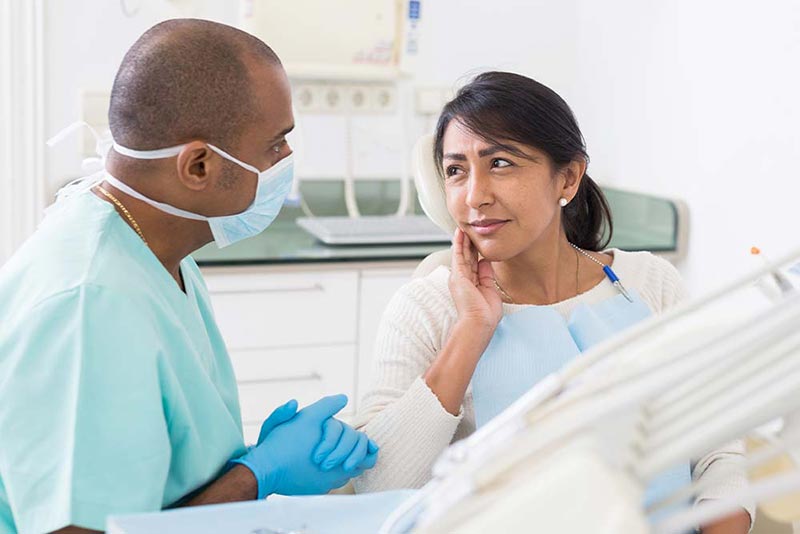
479 310
472 285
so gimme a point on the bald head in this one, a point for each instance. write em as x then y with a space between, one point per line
187 79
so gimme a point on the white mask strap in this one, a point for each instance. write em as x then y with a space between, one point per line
172 151
166 208
161 153
231 158
60 136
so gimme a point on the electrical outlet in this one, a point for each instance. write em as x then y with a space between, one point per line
333 98
310 98
359 98
375 98
319 97
384 99
303 98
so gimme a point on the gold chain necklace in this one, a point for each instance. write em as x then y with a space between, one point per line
124 211
504 294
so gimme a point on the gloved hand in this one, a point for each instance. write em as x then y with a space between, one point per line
282 460
279 415
343 445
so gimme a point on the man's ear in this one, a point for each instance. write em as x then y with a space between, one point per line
197 165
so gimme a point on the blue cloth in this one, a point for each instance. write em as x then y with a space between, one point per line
117 394
527 346
536 341
328 514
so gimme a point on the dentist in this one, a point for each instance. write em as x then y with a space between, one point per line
117 394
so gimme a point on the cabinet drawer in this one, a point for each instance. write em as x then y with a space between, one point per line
256 310
269 378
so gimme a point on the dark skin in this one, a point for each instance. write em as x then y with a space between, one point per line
196 179
199 181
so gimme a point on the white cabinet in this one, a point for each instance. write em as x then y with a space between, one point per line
256 310
302 334
269 377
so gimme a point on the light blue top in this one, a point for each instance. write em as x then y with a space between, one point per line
117 394
537 341
532 343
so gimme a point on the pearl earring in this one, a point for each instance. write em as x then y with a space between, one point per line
563 202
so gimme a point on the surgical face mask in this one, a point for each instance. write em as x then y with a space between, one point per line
274 184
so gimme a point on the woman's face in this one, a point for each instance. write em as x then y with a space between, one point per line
504 202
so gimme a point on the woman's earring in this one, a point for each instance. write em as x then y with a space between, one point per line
563 202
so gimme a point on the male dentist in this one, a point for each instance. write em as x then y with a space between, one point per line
116 391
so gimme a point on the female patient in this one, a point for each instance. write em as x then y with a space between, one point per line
532 228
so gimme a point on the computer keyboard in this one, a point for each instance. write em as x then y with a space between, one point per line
374 230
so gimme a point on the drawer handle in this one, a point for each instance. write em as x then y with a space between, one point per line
295 289
292 378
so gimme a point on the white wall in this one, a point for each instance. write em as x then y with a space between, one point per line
22 123
464 37
697 100
87 39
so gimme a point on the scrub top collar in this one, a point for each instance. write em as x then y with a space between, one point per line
144 252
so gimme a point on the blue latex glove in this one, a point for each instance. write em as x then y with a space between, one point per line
282 460
279 415
343 445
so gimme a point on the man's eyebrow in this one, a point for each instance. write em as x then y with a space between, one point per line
283 133
456 156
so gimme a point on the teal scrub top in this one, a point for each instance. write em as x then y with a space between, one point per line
117 394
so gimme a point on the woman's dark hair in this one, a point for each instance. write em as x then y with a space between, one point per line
501 107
